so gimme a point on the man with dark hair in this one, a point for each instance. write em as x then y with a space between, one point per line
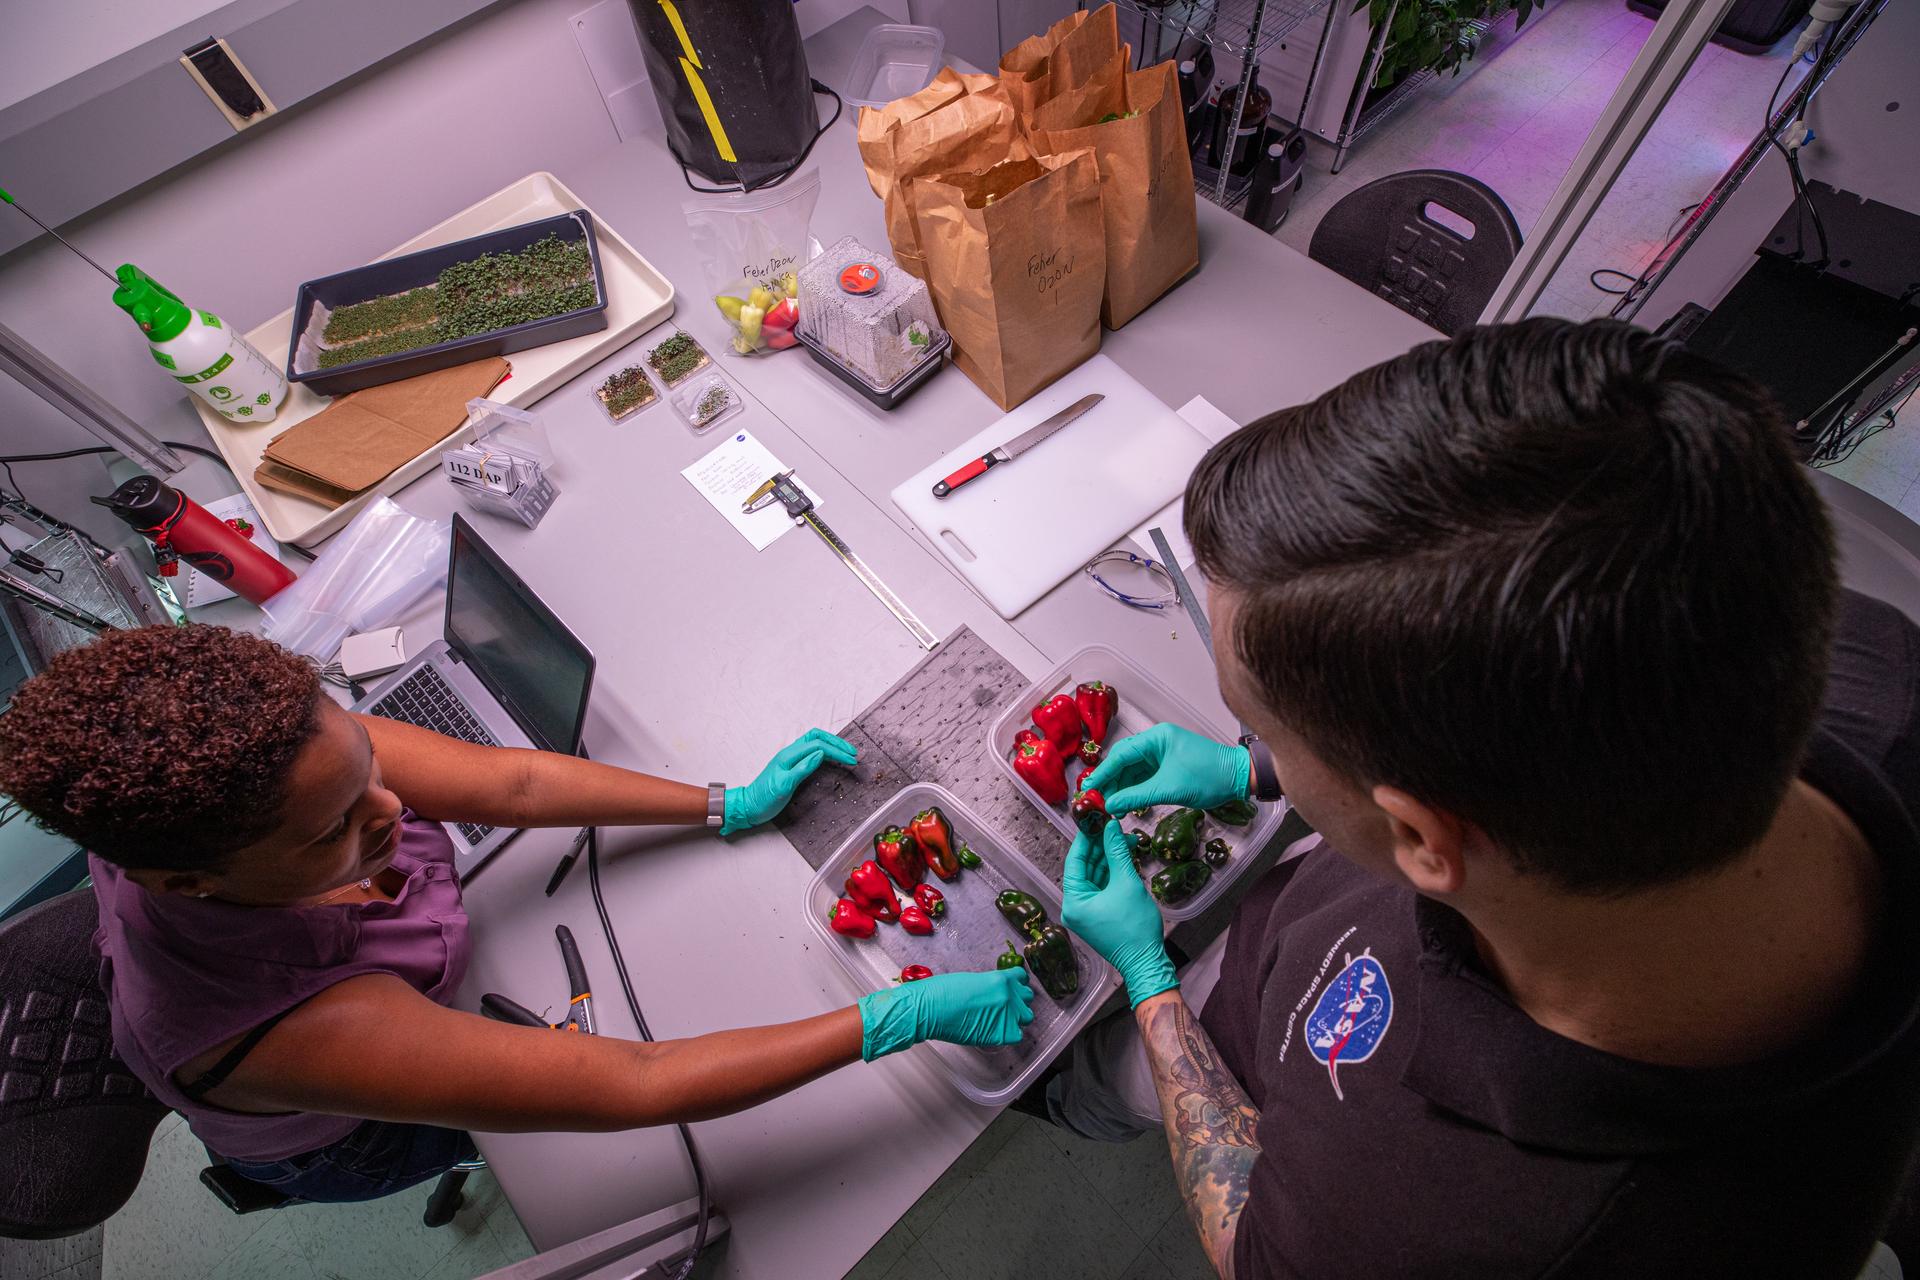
1599 970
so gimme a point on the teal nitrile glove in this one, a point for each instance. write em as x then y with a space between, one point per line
964 1008
1106 903
767 795
1170 765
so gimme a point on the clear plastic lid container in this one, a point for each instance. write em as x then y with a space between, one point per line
895 60
1144 701
970 935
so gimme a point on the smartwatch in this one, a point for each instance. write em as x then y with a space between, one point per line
716 804
1264 782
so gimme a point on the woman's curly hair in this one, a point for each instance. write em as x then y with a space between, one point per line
164 748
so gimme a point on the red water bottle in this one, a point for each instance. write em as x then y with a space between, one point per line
182 529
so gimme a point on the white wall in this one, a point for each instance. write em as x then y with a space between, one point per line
328 185
1861 146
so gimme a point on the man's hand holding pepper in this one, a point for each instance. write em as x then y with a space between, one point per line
963 1008
1105 902
1170 765
763 798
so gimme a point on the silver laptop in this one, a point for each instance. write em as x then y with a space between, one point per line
508 674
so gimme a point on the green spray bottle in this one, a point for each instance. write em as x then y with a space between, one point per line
201 351
196 348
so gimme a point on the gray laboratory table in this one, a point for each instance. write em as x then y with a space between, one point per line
712 656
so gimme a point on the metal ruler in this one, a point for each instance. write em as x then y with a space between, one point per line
782 489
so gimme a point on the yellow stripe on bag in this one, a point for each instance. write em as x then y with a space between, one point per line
691 68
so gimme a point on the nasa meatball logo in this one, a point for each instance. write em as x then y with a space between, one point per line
1350 1018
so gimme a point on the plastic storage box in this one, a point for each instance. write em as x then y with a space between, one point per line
894 61
317 298
868 321
1144 702
970 936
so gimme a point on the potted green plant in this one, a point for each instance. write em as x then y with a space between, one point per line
1437 34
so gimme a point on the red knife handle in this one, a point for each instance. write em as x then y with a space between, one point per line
971 471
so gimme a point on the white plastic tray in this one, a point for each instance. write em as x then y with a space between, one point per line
638 298
970 936
1144 701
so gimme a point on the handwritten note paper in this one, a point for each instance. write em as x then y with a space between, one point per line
733 471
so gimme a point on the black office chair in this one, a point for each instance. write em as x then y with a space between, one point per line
1383 238
74 1122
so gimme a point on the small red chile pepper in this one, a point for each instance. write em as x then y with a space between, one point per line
1089 809
900 855
930 900
870 890
913 973
934 835
1059 721
1092 753
1026 735
1096 702
1043 768
847 918
914 920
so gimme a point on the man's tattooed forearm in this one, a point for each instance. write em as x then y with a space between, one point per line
1210 1124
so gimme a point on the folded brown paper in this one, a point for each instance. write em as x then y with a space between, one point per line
364 437
1015 261
956 124
1146 177
1063 57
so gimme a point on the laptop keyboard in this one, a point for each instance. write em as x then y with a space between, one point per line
427 700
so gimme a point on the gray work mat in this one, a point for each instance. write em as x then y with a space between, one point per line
930 727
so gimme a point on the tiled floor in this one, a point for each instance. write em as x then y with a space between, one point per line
1518 114
173 1227
1031 1200
1025 1199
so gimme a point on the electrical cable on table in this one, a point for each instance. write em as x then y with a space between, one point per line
646 1033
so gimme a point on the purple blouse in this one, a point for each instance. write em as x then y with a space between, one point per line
185 974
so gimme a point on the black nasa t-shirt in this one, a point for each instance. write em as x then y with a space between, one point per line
1415 1123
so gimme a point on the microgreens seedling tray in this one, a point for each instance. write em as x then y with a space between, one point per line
971 935
411 271
1144 702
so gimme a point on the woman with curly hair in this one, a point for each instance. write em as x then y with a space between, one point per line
281 926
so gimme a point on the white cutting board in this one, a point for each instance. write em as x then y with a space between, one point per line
1029 524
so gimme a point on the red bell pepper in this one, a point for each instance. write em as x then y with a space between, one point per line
913 973
1043 768
914 920
870 890
1089 809
934 834
1096 702
899 853
1092 753
930 900
847 918
1026 735
1059 721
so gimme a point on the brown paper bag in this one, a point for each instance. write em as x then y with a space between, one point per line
1146 178
365 436
1015 263
1064 57
956 124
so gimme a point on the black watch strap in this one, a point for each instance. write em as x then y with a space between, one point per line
1265 780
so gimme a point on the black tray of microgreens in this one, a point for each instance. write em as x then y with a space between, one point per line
488 295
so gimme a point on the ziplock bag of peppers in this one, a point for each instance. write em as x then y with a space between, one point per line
752 245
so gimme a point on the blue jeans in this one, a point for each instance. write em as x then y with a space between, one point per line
376 1159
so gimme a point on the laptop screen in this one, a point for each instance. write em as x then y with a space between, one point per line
517 646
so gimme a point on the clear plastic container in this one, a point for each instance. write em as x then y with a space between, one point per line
636 395
895 60
1144 701
707 401
969 936
872 318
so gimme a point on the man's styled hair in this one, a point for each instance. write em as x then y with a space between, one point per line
1565 581
163 748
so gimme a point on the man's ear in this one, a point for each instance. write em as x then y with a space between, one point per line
1427 842
187 884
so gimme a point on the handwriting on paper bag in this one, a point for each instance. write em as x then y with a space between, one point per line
1047 271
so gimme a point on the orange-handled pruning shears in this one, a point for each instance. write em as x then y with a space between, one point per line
579 1007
